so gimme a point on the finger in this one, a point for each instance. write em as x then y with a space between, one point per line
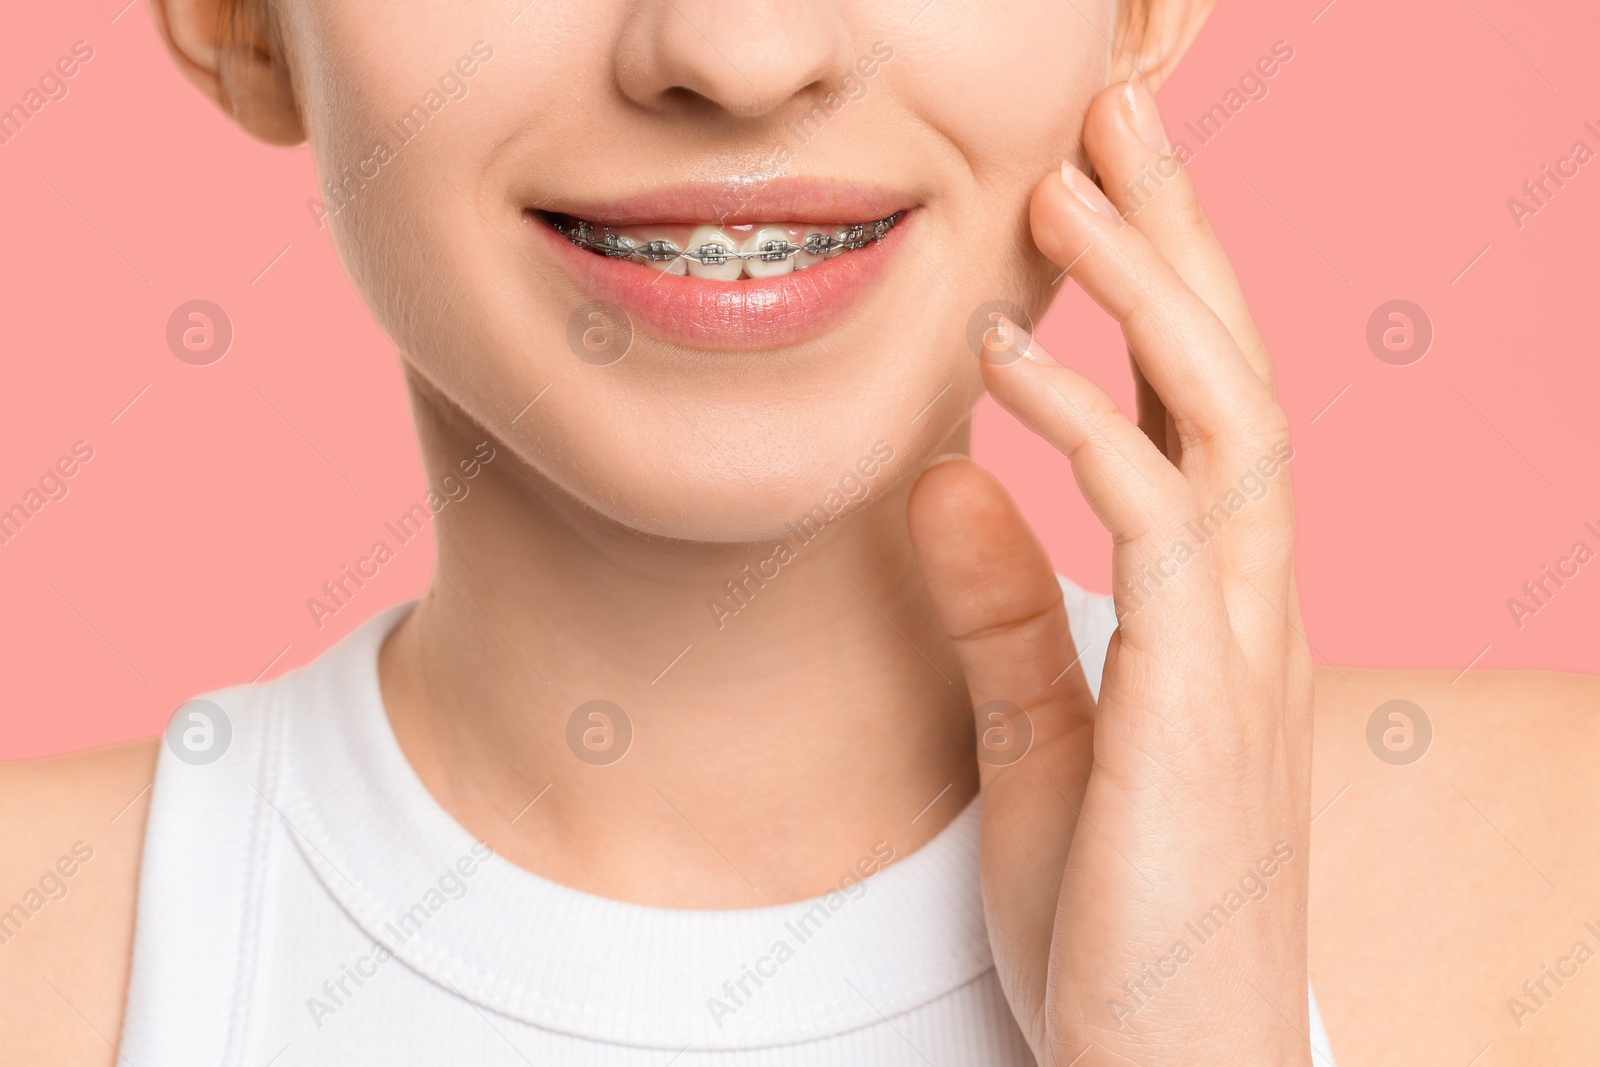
1125 138
998 598
1225 419
1125 479
1181 346
999 601
1141 498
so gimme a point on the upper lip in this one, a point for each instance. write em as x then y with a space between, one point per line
738 201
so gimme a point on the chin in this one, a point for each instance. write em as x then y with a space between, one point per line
753 474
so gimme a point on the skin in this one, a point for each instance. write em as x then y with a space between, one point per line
1415 914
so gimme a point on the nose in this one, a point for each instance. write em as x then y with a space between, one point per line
743 57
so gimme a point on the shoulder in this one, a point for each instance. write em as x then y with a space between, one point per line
1455 852
71 834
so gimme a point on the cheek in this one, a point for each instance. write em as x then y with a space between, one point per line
1007 88
1009 83
432 247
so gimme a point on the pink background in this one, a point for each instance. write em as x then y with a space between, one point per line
1378 167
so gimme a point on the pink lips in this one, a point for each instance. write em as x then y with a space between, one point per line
751 313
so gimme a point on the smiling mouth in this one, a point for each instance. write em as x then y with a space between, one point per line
723 253
740 283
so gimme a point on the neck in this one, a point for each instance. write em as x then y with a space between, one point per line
791 710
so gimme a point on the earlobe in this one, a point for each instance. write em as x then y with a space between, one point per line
1153 35
259 94
246 74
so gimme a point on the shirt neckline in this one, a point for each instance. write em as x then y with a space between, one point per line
531 949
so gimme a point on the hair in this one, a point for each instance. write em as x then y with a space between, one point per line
247 24
236 19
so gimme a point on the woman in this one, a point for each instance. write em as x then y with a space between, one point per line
675 761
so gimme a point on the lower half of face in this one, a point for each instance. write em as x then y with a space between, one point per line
733 256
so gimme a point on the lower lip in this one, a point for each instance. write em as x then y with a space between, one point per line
752 313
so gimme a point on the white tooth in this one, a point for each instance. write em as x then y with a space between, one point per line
761 268
722 272
670 266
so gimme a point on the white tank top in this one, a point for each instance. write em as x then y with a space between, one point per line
304 900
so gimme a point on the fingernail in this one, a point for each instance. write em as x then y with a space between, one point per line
946 457
1088 192
1033 351
1012 341
1020 343
1143 114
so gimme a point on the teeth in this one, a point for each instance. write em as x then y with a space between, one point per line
619 246
764 268
706 240
657 241
803 260
727 253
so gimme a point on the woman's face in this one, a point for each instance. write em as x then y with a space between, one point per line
453 138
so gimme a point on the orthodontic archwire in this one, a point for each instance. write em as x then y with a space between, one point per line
607 243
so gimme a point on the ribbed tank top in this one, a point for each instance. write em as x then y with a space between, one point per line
305 901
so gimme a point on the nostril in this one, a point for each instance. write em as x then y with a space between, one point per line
681 100
745 60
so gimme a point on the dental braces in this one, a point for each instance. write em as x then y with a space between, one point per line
821 245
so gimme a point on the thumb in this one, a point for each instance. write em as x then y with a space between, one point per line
999 601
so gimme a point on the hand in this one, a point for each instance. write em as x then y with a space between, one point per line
1144 862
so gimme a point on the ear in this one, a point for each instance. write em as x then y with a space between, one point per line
1152 35
236 61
